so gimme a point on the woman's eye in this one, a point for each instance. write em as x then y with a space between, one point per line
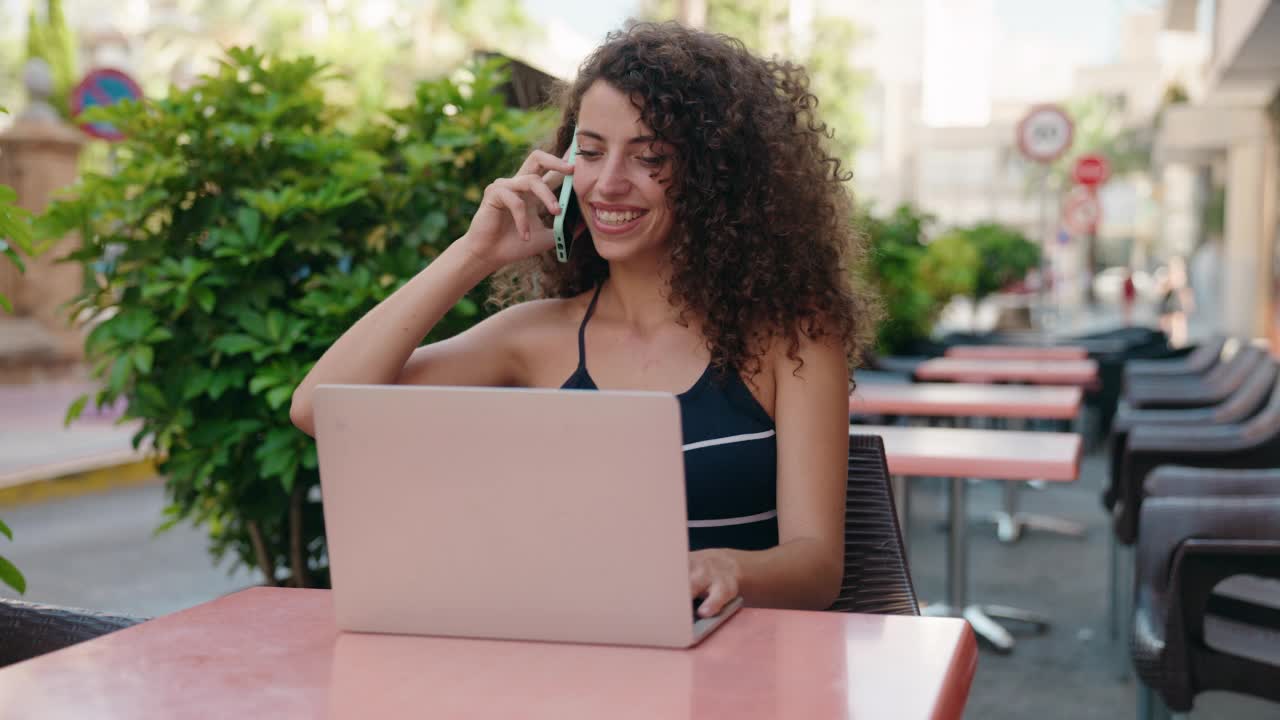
589 154
652 161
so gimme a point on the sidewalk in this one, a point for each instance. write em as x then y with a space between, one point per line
42 459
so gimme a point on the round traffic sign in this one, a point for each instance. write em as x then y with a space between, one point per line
103 87
1081 211
1045 133
1091 170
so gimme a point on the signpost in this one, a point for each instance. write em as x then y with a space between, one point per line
1081 211
1043 135
1089 172
101 88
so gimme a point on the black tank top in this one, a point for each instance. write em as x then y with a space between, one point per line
730 457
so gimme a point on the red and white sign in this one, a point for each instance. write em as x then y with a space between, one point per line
100 88
1091 170
1045 133
1081 211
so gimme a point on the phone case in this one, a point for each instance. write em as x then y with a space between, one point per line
566 199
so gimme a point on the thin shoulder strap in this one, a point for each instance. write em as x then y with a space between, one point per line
582 329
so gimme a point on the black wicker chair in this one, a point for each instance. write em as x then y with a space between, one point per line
28 630
876 576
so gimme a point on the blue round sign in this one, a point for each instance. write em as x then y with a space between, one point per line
101 88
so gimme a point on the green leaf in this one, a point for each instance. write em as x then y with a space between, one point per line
236 343
204 298
159 335
196 384
10 576
119 374
4 530
262 381
309 459
278 396
74 410
9 252
4 303
143 357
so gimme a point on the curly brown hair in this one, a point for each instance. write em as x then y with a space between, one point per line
765 237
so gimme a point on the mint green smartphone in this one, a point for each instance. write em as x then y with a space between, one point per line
566 201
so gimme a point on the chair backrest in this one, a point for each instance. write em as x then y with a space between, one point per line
28 629
1231 374
1250 397
1264 427
876 576
1205 354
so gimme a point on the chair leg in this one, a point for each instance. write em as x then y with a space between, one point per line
1150 705
902 498
1124 607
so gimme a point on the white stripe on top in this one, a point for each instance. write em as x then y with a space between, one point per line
723 522
728 440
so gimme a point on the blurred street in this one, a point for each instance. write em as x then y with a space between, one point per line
99 551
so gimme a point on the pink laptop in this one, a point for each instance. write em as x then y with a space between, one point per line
507 513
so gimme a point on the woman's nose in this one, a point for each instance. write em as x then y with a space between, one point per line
612 181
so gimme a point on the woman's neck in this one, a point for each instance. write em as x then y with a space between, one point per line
639 293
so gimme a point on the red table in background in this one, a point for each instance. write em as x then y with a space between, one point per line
1017 352
1082 373
275 653
967 400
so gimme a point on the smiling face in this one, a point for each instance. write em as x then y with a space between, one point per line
620 177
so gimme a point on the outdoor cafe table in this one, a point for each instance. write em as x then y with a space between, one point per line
1076 373
1080 373
961 453
962 400
967 400
1018 352
276 653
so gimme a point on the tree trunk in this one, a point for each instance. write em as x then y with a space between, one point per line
265 563
297 551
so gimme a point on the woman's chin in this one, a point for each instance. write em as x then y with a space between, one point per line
622 249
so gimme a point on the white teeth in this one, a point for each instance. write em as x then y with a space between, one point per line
616 218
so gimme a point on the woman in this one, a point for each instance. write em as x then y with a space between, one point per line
714 265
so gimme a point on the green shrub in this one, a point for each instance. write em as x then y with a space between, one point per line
1006 256
243 232
15 235
896 249
950 267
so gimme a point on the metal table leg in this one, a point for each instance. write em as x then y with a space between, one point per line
1010 523
980 617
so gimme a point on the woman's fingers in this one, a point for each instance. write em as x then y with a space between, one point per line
534 184
516 205
718 595
540 161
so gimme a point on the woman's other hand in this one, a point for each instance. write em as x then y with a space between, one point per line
714 575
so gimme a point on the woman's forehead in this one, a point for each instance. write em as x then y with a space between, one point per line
609 113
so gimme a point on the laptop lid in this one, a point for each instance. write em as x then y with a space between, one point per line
506 513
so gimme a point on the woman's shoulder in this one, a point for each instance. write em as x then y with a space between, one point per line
545 313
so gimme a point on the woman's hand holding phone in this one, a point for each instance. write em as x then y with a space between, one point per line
508 226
